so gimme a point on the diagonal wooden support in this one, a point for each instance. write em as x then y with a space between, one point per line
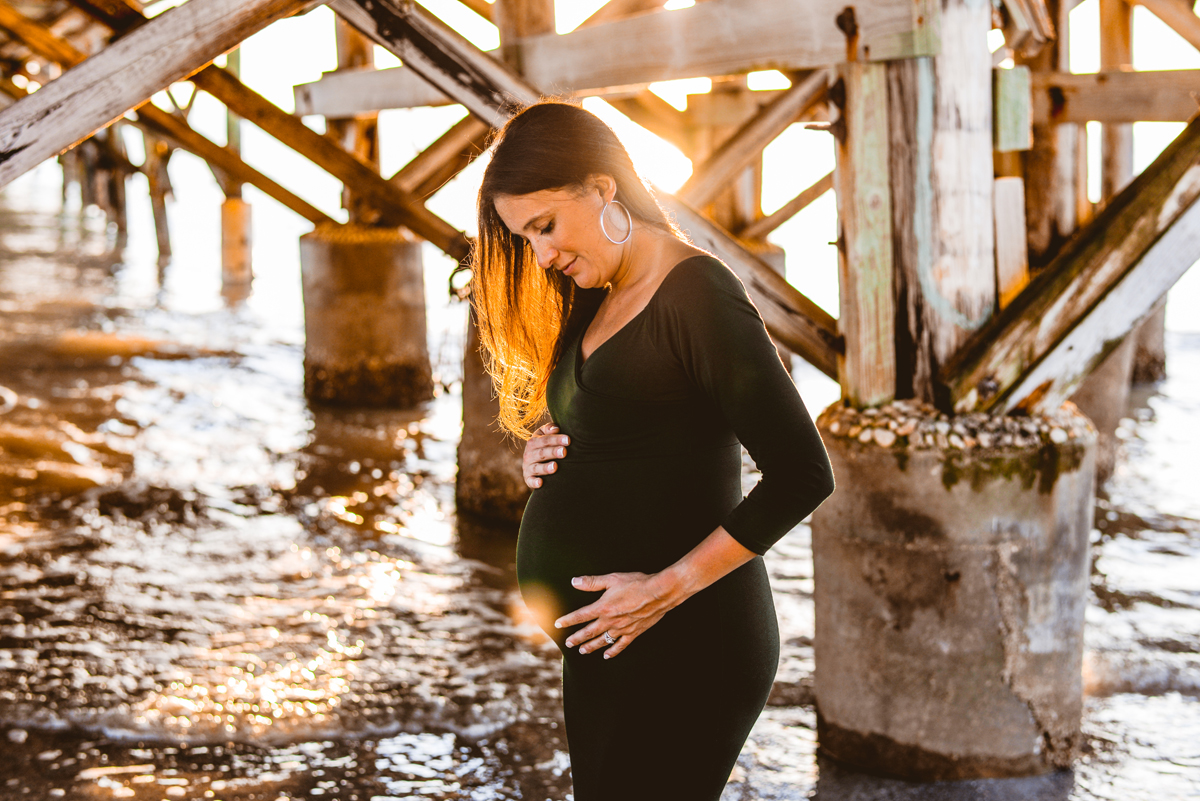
491 91
445 158
395 205
150 117
1178 16
760 228
747 143
1106 279
117 79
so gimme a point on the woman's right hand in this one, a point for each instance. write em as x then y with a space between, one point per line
541 450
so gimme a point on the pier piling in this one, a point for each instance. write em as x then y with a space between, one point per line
364 317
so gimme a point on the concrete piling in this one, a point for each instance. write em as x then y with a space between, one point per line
490 483
951 573
1104 398
237 271
364 317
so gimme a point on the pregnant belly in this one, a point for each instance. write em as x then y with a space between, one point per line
637 515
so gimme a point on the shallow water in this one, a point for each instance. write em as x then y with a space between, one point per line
262 601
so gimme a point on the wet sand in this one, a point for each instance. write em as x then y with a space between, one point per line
209 590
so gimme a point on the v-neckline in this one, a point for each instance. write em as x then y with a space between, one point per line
581 360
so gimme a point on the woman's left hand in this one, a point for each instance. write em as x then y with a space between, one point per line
631 604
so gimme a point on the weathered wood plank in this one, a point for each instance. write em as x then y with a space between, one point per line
395 206
760 228
1028 26
746 145
942 194
163 124
1012 258
1050 164
169 48
1116 53
717 37
489 88
1129 302
480 7
1012 102
448 155
1179 17
390 204
1115 96
867 368
994 369
620 9
34 35
723 37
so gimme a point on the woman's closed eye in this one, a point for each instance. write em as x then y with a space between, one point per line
549 227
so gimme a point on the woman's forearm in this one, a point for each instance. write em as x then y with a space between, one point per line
716 556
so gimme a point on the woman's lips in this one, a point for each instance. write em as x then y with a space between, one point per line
567 269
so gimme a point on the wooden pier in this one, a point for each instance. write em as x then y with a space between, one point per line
976 276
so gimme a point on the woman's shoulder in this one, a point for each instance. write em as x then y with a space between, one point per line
701 275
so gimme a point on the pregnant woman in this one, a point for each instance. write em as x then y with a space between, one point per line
637 552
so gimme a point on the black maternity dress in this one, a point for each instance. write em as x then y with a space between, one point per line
655 416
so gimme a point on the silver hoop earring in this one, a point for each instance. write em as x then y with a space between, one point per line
628 217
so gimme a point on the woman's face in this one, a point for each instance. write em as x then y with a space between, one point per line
563 228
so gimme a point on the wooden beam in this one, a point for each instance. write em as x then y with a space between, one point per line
490 89
659 117
1028 26
169 48
620 9
1107 278
1115 96
942 194
395 206
1012 258
161 123
445 158
867 368
744 146
34 35
480 7
723 37
1049 166
760 228
718 37
1012 124
1116 139
1178 16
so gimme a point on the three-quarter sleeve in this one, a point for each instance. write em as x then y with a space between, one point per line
721 341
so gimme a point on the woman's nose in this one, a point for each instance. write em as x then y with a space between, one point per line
545 254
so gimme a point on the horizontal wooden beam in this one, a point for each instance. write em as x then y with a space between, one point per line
490 89
760 228
1178 16
619 9
1065 320
723 37
718 37
169 48
747 143
1115 96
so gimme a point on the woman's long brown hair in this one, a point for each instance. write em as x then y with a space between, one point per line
525 313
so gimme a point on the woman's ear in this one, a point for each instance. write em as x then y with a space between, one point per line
604 185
